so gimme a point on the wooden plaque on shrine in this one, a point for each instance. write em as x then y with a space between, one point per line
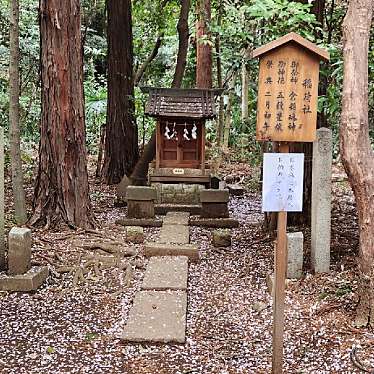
288 89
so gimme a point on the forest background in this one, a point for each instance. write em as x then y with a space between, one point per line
236 28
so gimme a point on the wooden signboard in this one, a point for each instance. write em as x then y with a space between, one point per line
288 89
286 112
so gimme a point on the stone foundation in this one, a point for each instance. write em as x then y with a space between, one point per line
179 193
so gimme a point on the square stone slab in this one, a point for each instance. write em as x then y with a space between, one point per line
29 281
174 234
177 218
168 249
157 316
166 273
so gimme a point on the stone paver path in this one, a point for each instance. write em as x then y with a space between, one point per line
166 273
160 315
157 316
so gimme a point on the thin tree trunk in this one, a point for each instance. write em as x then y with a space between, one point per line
183 43
228 119
121 140
140 72
61 190
101 151
203 50
357 154
14 89
245 85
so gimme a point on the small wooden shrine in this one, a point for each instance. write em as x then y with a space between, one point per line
180 132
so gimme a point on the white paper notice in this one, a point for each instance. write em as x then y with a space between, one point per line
282 187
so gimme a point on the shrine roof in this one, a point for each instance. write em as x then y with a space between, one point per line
181 103
295 38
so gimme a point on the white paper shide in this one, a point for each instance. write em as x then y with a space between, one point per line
282 187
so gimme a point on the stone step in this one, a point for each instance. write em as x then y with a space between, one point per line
174 234
166 273
157 316
176 218
168 249
214 222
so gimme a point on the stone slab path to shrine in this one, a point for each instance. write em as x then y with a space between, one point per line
159 310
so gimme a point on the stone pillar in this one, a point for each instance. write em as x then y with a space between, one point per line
295 250
140 202
321 201
2 241
19 250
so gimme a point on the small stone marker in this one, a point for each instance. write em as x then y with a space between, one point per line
135 234
321 201
140 201
270 283
26 282
295 248
168 249
235 189
177 218
166 273
221 238
174 234
157 316
19 251
214 203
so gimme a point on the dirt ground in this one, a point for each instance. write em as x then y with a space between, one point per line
70 326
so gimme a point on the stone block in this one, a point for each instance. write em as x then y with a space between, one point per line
162 209
214 196
177 218
214 210
235 189
141 193
19 250
143 222
135 234
174 234
221 238
166 273
214 222
295 248
157 316
140 209
321 201
27 282
167 249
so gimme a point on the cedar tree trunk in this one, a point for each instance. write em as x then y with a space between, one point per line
357 154
61 190
14 90
121 139
203 49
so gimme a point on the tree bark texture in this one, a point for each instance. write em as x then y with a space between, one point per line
61 190
357 154
121 140
183 43
203 50
14 90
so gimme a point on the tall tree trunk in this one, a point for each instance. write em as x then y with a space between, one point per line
203 50
228 119
61 190
220 119
14 89
121 140
183 43
357 154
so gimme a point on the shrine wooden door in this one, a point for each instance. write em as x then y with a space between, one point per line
176 146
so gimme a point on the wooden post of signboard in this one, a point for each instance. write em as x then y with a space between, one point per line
280 265
286 112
